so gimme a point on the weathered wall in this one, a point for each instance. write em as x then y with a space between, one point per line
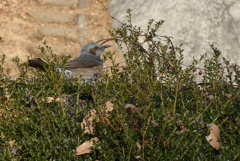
195 24
69 24
65 24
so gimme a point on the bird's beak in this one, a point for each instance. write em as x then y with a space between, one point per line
106 46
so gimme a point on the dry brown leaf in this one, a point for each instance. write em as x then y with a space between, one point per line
130 106
154 123
85 148
109 106
138 146
137 157
60 100
146 142
214 137
183 130
87 123
51 99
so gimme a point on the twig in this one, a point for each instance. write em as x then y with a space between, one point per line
105 40
109 13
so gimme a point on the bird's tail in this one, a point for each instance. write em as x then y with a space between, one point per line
37 63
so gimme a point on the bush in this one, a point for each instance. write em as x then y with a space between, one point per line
160 111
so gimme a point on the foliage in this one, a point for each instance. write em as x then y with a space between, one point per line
155 80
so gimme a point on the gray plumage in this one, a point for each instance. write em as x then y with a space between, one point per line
89 57
86 65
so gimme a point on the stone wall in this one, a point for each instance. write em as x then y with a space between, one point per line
195 24
66 25
69 24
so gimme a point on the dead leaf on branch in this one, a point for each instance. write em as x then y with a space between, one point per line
154 123
182 127
139 147
214 137
131 107
85 148
51 99
137 157
87 123
109 106
183 130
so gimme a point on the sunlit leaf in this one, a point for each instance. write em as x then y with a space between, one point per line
85 148
214 137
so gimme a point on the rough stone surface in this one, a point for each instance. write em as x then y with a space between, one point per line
81 20
54 17
57 49
82 4
195 24
26 24
84 35
57 2
66 33
235 10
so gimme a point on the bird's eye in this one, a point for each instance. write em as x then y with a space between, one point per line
95 47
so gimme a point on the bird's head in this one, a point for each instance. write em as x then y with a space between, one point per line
94 49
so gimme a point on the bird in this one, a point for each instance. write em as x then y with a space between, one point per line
87 65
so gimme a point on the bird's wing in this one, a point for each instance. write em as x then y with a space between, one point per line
76 63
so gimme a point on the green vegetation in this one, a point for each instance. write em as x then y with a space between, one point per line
169 122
